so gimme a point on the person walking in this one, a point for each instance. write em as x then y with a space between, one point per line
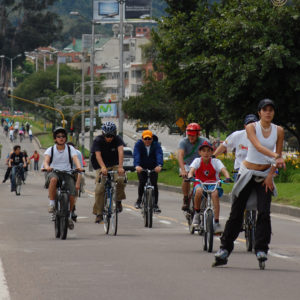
36 157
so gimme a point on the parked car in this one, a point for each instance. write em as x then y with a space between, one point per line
128 159
141 126
167 155
174 129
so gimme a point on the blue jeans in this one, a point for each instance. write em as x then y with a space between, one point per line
13 175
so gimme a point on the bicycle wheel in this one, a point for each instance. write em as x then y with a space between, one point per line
57 221
209 233
64 215
114 215
190 216
250 229
106 215
18 185
150 200
145 210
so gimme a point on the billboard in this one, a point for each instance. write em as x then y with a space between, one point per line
107 11
138 9
87 122
107 110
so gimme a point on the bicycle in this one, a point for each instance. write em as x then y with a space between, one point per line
249 226
206 227
18 179
110 212
62 206
147 203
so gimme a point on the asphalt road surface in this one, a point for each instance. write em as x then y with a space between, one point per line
164 262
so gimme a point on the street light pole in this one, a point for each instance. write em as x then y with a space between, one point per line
92 92
82 104
121 92
57 71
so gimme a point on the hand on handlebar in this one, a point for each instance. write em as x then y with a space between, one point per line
138 169
228 180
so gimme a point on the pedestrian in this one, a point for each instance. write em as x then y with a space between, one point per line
36 157
30 134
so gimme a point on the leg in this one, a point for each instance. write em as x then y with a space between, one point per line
234 223
142 176
99 194
153 179
7 173
216 203
263 223
52 188
197 205
13 179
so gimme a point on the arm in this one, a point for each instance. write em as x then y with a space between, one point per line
180 156
221 149
46 163
76 162
159 159
225 173
101 162
191 172
137 158
121 160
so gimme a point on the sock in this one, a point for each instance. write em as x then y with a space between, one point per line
197 211
52 202
216 220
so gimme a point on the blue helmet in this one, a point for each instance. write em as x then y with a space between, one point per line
109 128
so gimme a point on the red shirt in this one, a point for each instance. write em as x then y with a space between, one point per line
206 172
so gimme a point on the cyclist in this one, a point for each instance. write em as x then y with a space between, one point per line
256 172
16 159
60 157
237 140
206 169
148 155
8 170
27 159
107 155
187 152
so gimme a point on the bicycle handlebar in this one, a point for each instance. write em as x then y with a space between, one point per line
76 171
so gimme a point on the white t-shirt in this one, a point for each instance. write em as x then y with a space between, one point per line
60 159
216 163
238 140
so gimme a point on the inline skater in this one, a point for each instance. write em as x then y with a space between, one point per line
107 155
187 152
148 155
256 172
206 169
60 157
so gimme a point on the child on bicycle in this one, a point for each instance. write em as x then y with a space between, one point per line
206 169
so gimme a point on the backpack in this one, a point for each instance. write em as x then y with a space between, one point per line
70 158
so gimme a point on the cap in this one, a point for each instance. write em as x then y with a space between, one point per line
265 102
206 144
147 133
250 119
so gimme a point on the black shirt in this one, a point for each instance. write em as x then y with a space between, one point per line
109 151
16 159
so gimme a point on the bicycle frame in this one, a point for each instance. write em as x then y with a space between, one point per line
147 210
109 190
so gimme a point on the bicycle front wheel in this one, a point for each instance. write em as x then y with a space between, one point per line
150 199
114 218
106 215
18 185
57 221
64 215
145 210
209 233
250 229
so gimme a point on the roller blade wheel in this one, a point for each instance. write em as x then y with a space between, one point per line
219 262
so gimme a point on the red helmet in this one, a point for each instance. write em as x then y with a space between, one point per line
193 129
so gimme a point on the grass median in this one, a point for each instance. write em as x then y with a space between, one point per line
287 182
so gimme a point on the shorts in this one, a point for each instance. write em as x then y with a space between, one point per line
69 181
220 190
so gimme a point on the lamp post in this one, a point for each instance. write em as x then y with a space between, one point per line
11 78
121 91
82 104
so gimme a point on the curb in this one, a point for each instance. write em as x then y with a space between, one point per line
275 208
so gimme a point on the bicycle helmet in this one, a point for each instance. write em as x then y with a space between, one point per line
59 130
109 128
193 129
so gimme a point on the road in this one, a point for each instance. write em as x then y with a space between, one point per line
165 262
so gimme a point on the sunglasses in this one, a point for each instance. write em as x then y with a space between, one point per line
147 139
109 136
60 136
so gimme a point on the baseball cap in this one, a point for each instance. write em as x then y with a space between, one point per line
206 144
147 133
250 119
265 102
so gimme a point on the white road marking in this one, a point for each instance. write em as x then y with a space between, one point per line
82 218
165 222
278 255
4 293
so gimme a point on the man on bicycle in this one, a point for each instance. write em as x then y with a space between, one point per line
206 169
237 140
187 152
148 155
16 159
60 157
107 155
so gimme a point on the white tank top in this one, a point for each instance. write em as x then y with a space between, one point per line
255 157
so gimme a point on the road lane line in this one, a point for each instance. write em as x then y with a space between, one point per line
165 222
4 293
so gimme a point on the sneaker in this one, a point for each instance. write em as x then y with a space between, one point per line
261 255
196 219
99 219
74 216
70 224
119 206
137 205
218 228
51 209
3 181
156 209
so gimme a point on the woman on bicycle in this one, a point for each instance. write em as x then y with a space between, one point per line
256 172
